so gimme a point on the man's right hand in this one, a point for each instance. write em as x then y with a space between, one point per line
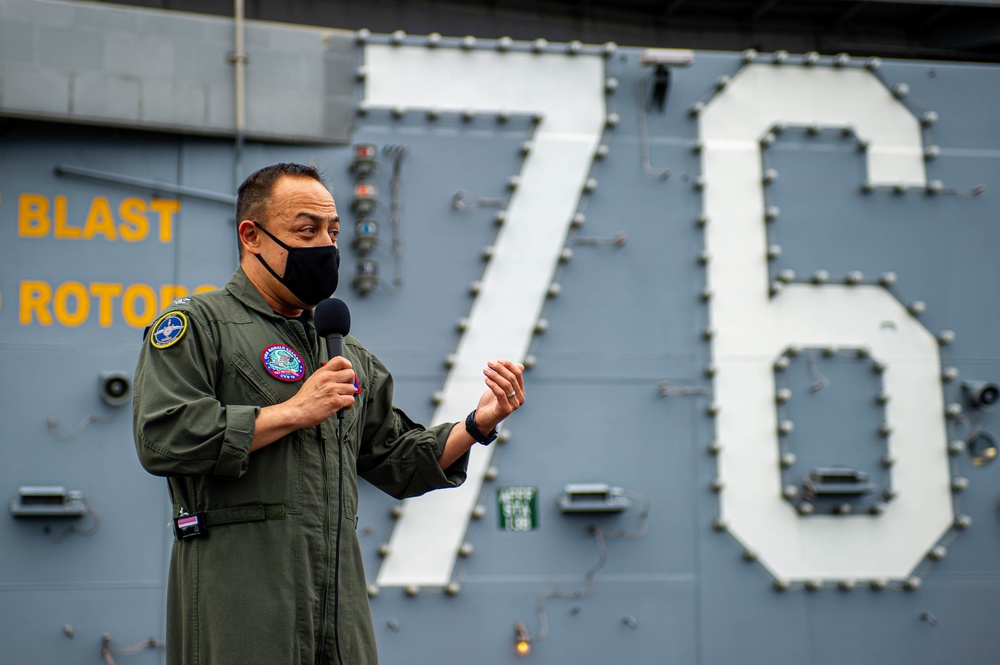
327 391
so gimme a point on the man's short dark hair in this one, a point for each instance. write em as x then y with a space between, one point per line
254 194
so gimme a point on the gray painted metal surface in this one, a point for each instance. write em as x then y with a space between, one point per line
627 319
172 71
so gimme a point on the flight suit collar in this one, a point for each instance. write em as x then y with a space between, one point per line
243 290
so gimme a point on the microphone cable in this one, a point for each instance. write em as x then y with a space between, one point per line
340 524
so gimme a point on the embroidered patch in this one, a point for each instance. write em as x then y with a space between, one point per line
168 329
282 362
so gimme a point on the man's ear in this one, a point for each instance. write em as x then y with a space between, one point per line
249 238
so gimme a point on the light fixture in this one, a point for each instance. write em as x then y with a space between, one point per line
592 498
837 481
677 57
365 195
365 276
522 640
365 235
981 394
47 501
363 160
982 448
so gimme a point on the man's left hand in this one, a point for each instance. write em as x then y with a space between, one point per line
505 395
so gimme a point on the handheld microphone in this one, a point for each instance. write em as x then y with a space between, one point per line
333 321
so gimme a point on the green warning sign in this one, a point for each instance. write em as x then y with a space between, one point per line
518 508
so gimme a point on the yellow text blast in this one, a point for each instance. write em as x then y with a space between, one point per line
132 220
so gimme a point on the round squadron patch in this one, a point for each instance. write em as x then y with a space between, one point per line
168 329
282 362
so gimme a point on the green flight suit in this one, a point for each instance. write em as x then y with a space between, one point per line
258 587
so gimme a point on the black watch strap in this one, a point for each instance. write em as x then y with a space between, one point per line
473 429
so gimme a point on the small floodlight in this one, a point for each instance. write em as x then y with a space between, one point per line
981 394
676 57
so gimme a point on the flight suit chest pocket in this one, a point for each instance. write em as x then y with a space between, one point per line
246 383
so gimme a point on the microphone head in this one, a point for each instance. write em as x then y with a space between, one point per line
332 317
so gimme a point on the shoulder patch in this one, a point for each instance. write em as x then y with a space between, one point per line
283 362
168 329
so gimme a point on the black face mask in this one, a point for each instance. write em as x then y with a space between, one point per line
311 273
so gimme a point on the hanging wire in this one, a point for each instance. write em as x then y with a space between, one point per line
397 153
458 201
108 647
821 379
619 240
600 537
588 589
94 528
672 388
644 132
68 438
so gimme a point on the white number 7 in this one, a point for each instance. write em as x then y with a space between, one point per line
568 93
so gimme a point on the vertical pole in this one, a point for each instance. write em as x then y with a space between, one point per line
239 85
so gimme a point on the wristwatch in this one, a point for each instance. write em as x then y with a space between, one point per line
473 429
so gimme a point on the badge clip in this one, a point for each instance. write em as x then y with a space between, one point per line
190 526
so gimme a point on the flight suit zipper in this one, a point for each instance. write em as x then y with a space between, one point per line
324 597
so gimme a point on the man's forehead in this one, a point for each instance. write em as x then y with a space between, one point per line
294 195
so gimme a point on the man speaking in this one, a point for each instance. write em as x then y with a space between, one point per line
239 405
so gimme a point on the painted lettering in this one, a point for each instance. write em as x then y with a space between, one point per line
39 216
105 294
33 216
166 208
72 303
100 220
135 225
139 305
35 299
63 228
